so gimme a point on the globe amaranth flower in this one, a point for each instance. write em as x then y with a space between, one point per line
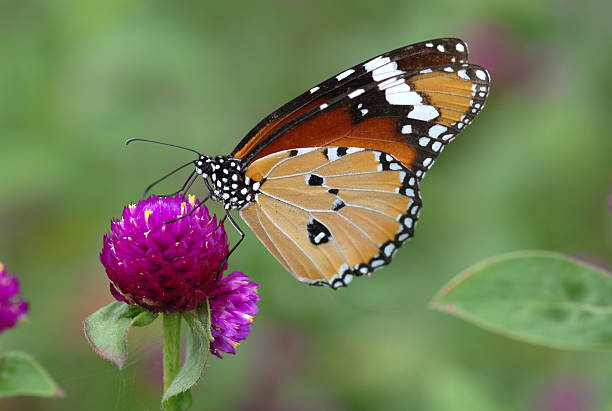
11 307
164 267
232 306
173 267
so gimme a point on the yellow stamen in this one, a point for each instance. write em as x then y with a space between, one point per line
147 214
191 198
236 344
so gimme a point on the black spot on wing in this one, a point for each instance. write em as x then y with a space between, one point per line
317 232
333 191
315 180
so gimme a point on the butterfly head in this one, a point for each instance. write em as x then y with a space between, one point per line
204 166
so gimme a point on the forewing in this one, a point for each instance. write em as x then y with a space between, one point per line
298 115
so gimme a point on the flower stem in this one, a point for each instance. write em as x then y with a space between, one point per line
171 352
172 347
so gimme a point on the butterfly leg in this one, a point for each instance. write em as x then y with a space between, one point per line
237 227
186 186
192 211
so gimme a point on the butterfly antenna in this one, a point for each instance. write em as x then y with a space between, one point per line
144 195
127 142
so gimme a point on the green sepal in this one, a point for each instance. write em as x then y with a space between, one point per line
198 345
20 374
534 296
106 329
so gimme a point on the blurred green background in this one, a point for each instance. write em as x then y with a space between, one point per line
532 172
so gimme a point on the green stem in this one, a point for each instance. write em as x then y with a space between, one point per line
172 347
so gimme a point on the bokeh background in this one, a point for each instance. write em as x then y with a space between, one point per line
532 172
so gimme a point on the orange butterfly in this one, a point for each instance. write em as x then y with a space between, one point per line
329 182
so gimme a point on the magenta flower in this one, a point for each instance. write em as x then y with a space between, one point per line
232 306
163 267
173 267
11 307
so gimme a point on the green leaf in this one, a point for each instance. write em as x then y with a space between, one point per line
106 329
20 374
534 296
198 344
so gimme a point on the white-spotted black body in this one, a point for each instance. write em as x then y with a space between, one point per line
225 176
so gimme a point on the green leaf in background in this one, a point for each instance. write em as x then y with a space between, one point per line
106 329
20 374
534 296
198 343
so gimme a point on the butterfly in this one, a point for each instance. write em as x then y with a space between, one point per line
329 182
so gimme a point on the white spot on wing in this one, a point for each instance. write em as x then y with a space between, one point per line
436 130
386 71
389 249
423 141
376 62
481 74
314 89
377 263
402 96
344 74
356 93
462 73
440 48
460 48
391 82
323 106
424 113
407 129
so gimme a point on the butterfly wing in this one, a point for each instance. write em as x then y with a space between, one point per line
409 102
339 166
329 214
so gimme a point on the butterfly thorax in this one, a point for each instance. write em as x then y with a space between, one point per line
225 176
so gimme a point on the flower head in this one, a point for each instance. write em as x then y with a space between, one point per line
164 267
232 306
11 308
